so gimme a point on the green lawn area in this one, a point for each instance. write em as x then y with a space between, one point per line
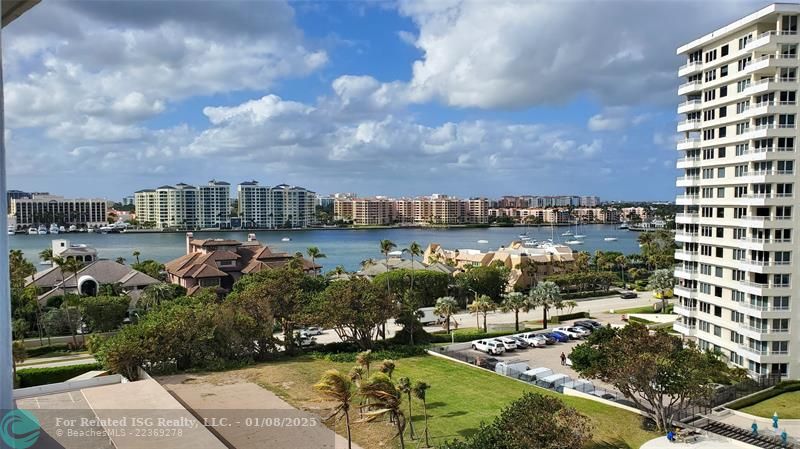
643 309
787 405
461 397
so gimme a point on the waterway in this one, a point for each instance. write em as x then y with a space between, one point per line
346 247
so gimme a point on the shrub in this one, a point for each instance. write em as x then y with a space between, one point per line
390 353
94 342
785 386
42 350
31 377
104 313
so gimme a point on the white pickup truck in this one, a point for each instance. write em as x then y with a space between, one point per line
489 346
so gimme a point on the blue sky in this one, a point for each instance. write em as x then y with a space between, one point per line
397 98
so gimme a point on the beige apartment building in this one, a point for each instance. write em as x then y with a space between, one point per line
735 274
434 210
184 206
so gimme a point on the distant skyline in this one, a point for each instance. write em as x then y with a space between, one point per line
466 98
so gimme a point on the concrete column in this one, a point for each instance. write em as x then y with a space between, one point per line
6 361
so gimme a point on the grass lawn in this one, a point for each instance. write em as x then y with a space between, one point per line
787 405
460 398
643 309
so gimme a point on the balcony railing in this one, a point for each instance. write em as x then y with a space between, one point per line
690 103
690 84
689 140
689 65
763 307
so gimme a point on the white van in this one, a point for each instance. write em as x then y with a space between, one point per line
427 316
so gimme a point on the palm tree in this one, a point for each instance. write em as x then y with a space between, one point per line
364 359
546 295
367 263
420 391
387 367
386 247
314 253
482 305
338 388
154 295
515 301
46 254
404 385
661 281
69 267
136 254
414 250
386 399
446 306
621 262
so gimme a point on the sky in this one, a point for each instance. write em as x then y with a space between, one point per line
400 98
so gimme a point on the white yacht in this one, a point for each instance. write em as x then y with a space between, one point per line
573 242
610 239
42 230
286 239
73 228
566 233
62 229
11 230
483 241
54 228
32 231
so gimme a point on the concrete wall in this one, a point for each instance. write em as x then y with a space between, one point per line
64 387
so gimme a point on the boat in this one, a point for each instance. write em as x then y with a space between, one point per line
11 230
566 233
286 239
42 230
610 239
483 241
89 230
530 243
32 231
62 229
53 228
73 228
44 262
574 242
623 226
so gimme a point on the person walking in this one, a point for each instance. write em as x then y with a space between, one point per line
563 359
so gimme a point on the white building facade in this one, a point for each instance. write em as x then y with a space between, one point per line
735 276
184 206
281 206
49 209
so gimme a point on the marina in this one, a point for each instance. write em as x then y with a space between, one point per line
346 247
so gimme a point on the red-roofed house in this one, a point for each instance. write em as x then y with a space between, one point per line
221 262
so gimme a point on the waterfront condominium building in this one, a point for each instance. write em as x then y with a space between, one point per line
214 205
42 209
736 280
430 210
184 206
281 206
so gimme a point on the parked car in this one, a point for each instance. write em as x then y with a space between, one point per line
487 362
521 342
548 339
589 324
559 336
303 339
509 343
571 332
533 339
489 346
313 330
628 295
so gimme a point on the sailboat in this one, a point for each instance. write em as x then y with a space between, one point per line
577 235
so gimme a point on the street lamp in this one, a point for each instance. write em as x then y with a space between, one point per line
473 291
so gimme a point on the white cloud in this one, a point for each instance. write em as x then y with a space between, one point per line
513 54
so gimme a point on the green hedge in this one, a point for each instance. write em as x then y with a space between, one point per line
782 387
570 316
466 335
390 353
42 350
31 377
591 294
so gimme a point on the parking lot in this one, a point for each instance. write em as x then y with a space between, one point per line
548 357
